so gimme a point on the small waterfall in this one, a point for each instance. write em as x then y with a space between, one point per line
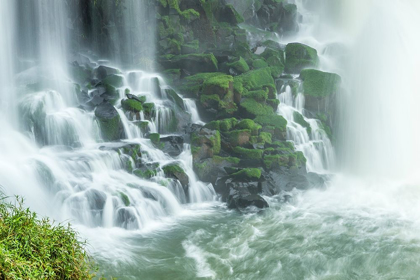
73 174
307 134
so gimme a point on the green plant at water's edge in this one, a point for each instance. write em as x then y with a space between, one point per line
33 248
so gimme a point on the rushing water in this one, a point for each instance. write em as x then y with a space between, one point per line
363 225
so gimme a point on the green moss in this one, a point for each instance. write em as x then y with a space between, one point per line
33 248
210 101
131 105
299 56
145 174
222 125
275 121
259 63
124 198
248 174
238 137
233 160
276 161
248 153
249 124
319 84
240 65
264 138
252 108
149 108
218 85
155 138
114 80
256 79
216 143
274 103
258 95
193 84
298 118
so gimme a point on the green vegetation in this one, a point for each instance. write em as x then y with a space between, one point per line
32 248
248 173
319 84
131 105
248 153
298 118
300 56
240 65
253 108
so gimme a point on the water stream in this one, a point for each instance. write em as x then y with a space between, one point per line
363 225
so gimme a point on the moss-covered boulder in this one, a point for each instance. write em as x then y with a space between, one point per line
238 137
249 124
247 174
222 125
245 153
300 56
239 66
220 85
176 172
131 105
109 122
210 169
114 80
205 143
274 124
299 119
192 63
172 95
319 84
250 108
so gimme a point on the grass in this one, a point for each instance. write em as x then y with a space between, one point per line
33 248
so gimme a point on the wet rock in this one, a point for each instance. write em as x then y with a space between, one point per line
173 145
300 56
126 218
176 172
206 143
110 123
96 199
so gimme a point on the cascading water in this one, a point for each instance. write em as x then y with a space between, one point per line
83 176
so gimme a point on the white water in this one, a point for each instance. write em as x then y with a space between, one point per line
59 152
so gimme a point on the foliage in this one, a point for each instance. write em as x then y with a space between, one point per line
32 248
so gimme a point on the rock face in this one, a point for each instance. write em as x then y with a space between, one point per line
110 122
204 55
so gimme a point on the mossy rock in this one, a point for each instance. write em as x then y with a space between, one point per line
149 110
240 66
109 122
114 80
193 63
206 143
260 95
299 119
249 124
300 56
208 170
244 153
193 85
254 80
220 85
319 84
238 137
124 198
131 105
222 125
250 108
172 95
274 103
259 63
276 122
155 138
247 174
176 172
264 137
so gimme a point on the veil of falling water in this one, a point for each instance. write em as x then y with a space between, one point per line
58 150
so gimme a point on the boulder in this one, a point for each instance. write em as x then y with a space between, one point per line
300 56
109 122
174 171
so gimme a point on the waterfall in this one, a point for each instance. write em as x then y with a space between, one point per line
56 158
380 131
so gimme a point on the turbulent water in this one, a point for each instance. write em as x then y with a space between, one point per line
363 225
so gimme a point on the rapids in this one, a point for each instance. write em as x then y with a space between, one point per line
363 225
